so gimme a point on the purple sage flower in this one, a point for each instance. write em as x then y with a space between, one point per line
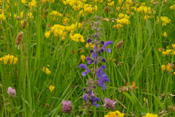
89 59
106 44
67 108
86 68
94 99
110 104
11 92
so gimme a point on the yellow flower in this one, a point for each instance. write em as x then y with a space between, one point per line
163 67
168 67
23 1
111 4
2 17
47 34
83 58
151 115
30 15
115 114
164 34
21 14
51 88
173 45
9 58
46 70
77 37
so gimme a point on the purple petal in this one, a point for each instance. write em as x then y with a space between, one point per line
94 54
107 43
85 97
96 99
89 40
97 105
102 80
83 66
108 50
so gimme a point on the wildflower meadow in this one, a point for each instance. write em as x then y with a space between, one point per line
87 58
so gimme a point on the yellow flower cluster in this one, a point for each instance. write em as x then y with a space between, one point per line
168 67
172 7
165 20
32 4
111 4
30 15
144 10
98 1
2 17
125 5
61 31
89 45
55 13
169 51
46 70
75 4
44 1
9 58
115 114
88 8
123 19
77 37
120 2
150 115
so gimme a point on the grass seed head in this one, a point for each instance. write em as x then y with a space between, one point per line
19 38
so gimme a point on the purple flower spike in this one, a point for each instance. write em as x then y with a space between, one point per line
106 44
89 40
11 92
67 108
110 104
86 68
90 61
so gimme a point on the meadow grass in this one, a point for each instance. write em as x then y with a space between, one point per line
140 58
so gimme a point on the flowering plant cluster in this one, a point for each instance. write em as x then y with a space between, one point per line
99 77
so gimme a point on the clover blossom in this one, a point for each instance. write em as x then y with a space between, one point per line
110 104
67 107
11 92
